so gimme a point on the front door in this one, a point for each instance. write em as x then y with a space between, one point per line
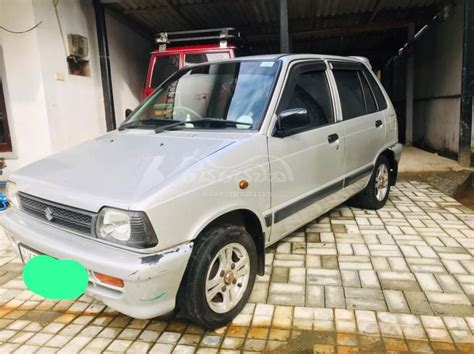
307 163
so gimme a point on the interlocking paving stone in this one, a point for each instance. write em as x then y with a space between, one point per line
400 278
448 298
396 301
334 296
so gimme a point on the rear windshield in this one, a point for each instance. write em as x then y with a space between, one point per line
197 58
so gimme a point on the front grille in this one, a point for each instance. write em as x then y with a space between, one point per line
62 216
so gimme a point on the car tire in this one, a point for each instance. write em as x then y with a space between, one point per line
224 262
376 193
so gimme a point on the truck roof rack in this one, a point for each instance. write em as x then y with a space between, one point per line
223 36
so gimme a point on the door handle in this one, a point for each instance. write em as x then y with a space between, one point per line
378 123
332 138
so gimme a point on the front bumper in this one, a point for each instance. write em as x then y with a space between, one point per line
151 281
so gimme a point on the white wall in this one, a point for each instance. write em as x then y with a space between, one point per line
20 67
47 115
438 69
129 56
75 105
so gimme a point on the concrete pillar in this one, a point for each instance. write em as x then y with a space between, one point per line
284 35
410 87
105 70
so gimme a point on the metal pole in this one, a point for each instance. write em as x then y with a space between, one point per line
284 35
467 86
410 87
105 65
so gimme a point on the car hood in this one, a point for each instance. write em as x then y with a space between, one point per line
110 170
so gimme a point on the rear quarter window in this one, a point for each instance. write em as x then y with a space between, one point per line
379 97
370 104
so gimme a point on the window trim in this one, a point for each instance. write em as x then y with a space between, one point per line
346 65
297 69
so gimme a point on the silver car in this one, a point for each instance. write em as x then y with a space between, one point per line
174 210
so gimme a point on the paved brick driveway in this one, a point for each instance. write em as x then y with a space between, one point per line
398 279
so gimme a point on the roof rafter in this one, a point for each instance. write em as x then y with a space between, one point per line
385 20
175 10
336 31
375 11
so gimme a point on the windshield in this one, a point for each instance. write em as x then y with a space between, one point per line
235 92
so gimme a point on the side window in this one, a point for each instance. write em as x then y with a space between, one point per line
370 104
311 91
163 68
350 93
382 104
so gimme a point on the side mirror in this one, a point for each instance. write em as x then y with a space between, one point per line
128 111
291 119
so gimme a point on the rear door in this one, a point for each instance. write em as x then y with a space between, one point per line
307 164
363 122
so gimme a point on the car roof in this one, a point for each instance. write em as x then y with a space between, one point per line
285 59
290 57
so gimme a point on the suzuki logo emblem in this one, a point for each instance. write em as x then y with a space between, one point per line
48 213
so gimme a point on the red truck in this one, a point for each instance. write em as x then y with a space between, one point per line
178 49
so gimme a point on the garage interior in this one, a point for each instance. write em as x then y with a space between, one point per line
420 49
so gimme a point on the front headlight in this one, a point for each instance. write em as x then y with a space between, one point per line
129 228
12 194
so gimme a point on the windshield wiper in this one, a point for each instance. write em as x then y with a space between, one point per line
218 122
128 126
147 122
214 122
169 126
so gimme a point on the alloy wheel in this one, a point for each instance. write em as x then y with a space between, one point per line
227 278
381 182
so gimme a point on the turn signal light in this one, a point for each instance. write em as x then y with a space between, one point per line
107 279
243 184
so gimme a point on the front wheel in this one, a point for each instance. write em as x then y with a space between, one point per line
219 277
375 194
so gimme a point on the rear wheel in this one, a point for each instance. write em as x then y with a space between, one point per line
376 193
219 277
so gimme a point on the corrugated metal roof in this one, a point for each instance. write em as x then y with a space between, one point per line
170 15
315 25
